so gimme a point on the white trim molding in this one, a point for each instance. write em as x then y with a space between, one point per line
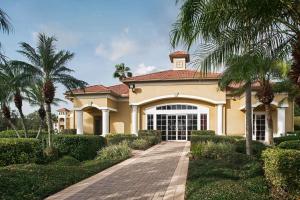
105 122
134 116
95 106
219 119
280 121
285 105
177 95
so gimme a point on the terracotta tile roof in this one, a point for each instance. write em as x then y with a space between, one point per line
254 85
173 75
117 90
180 54
63 110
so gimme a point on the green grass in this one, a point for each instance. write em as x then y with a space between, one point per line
33 181
221 179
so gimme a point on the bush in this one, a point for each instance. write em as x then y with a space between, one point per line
291 144
81 147
257 147
213 138
67 161
12 133
140 144
212 150
120 151
152 136
203 132
278 140
116 138
68 131
16 151
282 170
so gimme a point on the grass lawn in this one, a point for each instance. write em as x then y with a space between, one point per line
32 181
210 179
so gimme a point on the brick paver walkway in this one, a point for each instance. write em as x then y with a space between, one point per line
158 173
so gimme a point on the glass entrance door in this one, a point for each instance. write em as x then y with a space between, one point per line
181 127
171 129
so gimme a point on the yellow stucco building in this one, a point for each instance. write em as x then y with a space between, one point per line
175 102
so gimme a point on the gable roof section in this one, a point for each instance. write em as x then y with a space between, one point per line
120 90
173 75
63 110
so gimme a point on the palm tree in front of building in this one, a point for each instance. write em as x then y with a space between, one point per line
49 66
122 72
255 69
5 26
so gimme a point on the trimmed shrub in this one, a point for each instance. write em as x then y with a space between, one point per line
120 151
19 150
278 140
212 150
140 144
291 144
67 161
116 138
282 170
257 147
152 136
213 138
203 132
12 133
68 131
81 147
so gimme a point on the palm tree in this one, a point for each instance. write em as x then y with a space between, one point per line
5 26
48 65
255 68
4 96
15 80
122 72
34 95
222 28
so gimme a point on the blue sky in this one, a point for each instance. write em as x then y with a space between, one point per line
101 33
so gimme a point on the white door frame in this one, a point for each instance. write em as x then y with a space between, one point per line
254 123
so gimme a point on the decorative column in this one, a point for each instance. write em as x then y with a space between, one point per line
105 122
280 121
219 119
134 128
79 116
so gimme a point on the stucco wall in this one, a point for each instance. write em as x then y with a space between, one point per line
205 90
100 101
120 122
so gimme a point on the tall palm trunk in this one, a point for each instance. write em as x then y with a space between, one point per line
270 140
49 123
40 129
42 115
19 104
6 113
248 119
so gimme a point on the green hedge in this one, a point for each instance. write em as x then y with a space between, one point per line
213 138
116 138
19 150
152 136
278 140
257 147
68 131
282 170
203 132
12 133
81 147
291 144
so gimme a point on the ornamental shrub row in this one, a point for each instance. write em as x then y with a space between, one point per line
152 136
203 132
117 138
19 150
291 144
282 170
12 133
81 147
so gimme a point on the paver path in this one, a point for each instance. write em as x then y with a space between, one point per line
158 173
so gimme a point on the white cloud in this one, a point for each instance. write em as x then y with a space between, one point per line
65 38
143 69
126 30
117 48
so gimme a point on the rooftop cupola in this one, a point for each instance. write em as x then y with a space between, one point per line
179 59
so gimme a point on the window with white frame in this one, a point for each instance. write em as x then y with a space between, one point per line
203 121
150 122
